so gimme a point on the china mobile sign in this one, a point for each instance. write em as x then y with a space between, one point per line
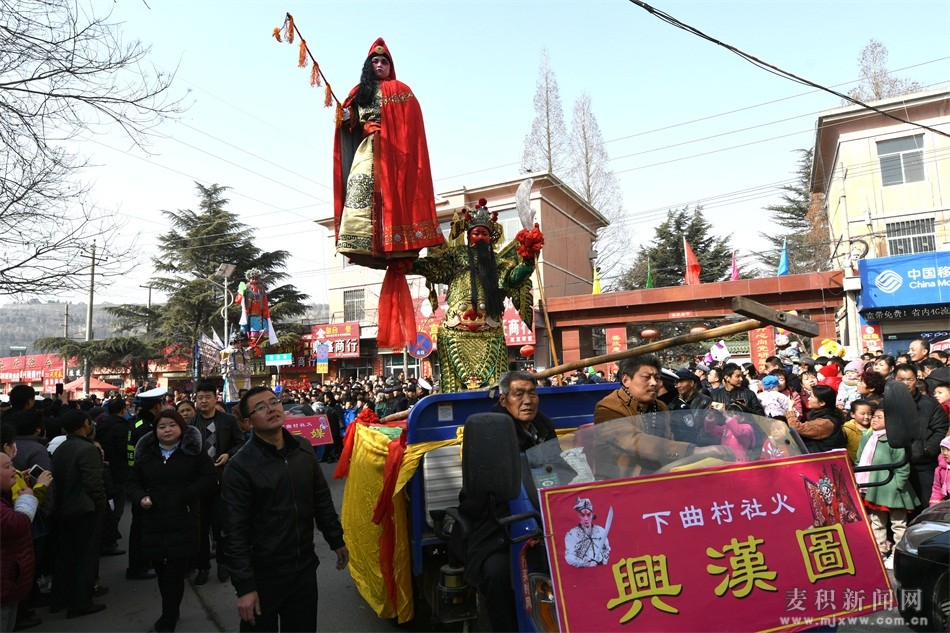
905 280
789 547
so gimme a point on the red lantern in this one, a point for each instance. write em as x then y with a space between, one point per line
649 333
527 351
698 329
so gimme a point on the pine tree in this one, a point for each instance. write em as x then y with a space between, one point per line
806 224
546 143
667 258
592 179
190 253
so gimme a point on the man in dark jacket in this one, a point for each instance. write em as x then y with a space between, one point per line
932 424
79 510
487 564
687 421
221 438
273 492
733 395
112 433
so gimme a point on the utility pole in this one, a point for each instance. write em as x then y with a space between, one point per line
86 368
148 323
65 377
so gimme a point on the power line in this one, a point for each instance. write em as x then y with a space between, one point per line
666 17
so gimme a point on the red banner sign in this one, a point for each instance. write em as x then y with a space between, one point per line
32 368
516 331
871 338
761 346
789 548
315 428
343 339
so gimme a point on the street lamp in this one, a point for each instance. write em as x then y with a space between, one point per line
225 270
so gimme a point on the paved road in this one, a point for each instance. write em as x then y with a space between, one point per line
135 605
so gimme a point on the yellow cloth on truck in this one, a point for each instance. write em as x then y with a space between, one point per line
360 495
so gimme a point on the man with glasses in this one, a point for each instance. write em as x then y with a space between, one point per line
273 492
932 424
221 438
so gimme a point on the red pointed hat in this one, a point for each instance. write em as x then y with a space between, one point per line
379 48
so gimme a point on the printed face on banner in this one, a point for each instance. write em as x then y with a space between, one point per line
792 543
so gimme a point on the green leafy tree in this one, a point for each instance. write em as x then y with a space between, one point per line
667 256
120 353
805 224
190 253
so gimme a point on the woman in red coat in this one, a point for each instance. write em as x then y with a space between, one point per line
16 547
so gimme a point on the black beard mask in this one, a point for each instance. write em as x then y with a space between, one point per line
482 262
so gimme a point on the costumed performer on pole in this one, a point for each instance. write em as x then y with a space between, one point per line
384 203
255 311
472 349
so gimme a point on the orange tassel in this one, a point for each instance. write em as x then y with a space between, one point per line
289 29
315 74
302 57
277 33
327 97
339 115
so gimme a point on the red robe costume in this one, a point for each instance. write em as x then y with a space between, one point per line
404 216
402 213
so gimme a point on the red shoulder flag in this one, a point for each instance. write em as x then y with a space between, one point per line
692 266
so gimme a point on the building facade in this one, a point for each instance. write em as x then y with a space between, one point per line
885 185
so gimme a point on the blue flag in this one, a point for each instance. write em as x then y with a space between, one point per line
783 260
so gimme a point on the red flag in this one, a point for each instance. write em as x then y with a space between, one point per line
735 268
692 265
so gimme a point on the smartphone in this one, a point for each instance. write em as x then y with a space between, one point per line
35 471
59 389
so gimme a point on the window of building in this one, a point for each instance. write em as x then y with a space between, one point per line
911 236
353 304
902 159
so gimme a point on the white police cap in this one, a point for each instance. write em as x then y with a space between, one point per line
152 394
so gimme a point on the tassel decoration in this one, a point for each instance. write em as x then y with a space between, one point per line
276 33
327 97
289 29
339 115
302 55
315 75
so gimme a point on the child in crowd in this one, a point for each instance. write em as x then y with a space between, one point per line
858 426
775 403
809 379
794 397
942 395
888 504
848 389
941 489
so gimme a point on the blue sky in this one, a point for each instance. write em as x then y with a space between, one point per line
685 121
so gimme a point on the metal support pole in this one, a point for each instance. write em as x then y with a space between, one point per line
86 368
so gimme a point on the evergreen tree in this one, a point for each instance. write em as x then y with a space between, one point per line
591 177
546 144
667 256
806 226
190 254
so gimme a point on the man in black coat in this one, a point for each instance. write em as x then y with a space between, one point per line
932 424
273 492
733 395
79 510
221 438
112 433
488 564
686 422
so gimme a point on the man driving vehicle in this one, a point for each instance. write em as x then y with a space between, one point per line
487 564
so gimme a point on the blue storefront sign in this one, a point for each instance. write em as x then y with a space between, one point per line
917 285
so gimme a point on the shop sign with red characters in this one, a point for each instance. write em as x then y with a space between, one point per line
780 545
343 339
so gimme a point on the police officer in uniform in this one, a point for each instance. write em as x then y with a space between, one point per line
150 404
